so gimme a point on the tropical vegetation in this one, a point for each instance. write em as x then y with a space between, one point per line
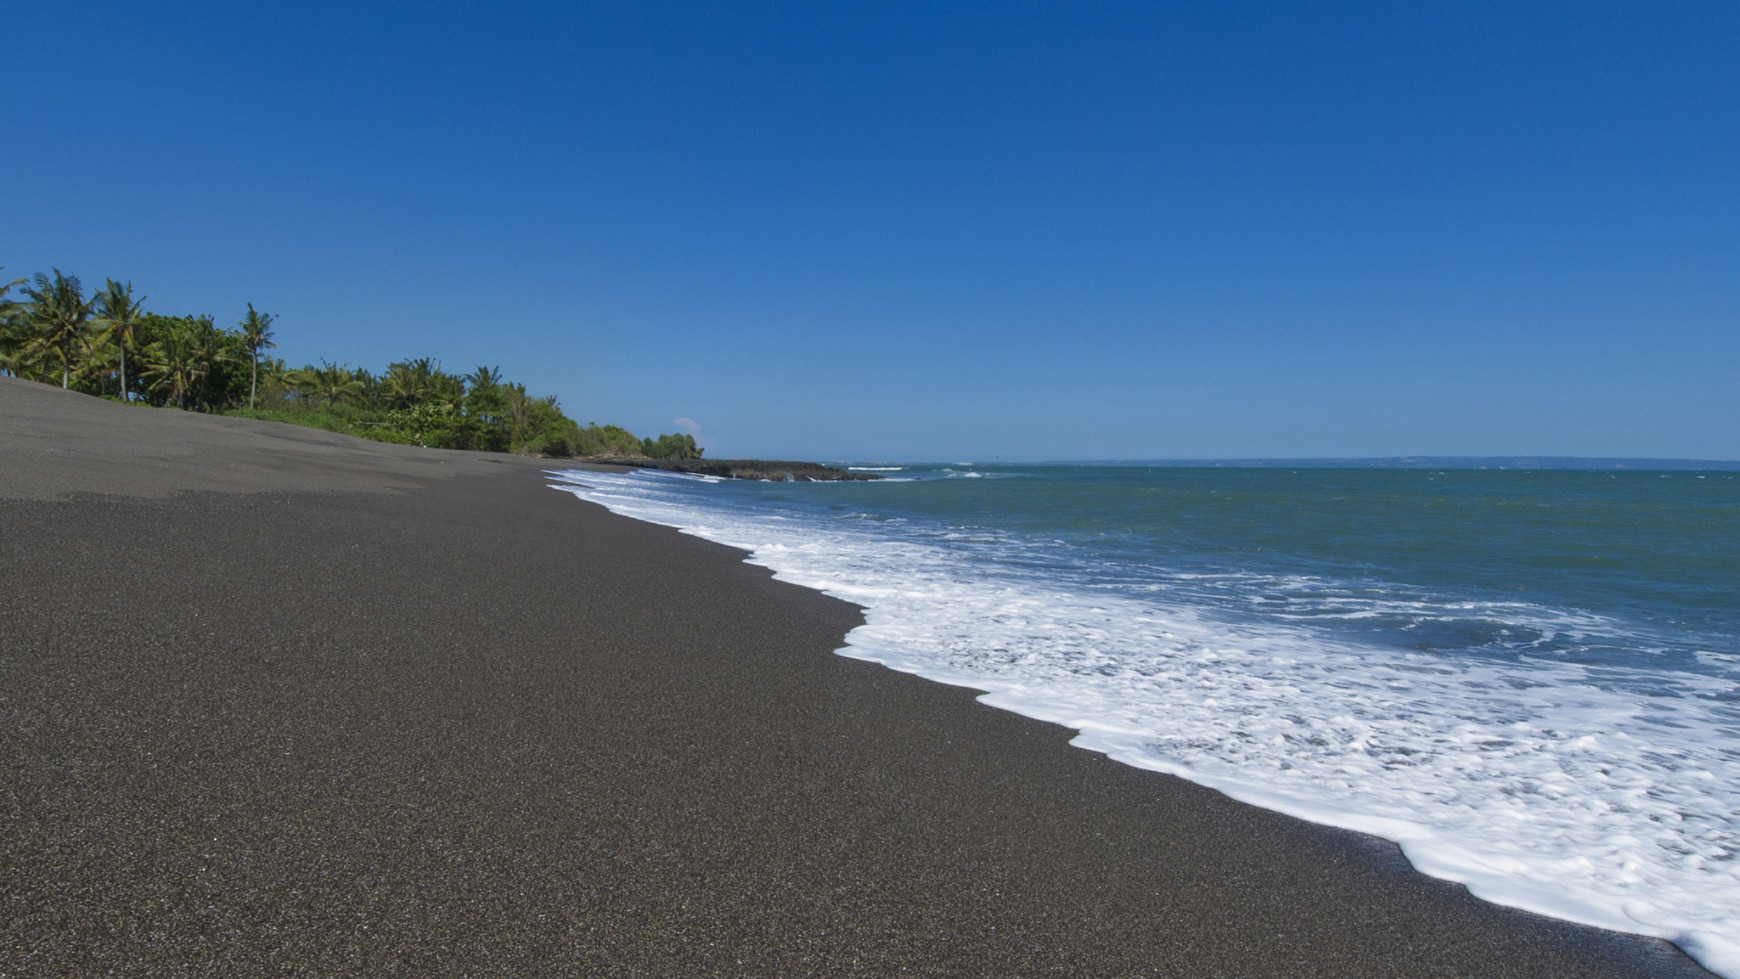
107 344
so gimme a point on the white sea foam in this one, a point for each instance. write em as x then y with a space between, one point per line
1548 786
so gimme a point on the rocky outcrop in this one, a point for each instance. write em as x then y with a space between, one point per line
744 469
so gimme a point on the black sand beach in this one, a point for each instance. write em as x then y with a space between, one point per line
279 702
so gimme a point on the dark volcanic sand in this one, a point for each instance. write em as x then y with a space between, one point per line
445 720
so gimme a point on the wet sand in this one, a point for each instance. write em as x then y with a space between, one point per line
278 701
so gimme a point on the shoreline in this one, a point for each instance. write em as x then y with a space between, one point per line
345 708
915 635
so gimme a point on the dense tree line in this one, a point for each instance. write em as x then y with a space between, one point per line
106 344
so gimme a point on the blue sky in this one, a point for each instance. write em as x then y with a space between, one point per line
937 231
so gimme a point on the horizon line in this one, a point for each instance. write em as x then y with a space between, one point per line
1506 462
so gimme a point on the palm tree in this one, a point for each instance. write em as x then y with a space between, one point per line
329 382
8 308
447 391
256 333
523 412
212 349
60 311
11 336
484 377
486 405
173 363
118 315
408 382
276 379
368 386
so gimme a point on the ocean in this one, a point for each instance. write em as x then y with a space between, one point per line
1530 680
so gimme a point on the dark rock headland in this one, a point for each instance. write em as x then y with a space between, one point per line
799 472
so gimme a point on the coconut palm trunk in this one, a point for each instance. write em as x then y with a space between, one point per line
256 333
118 315
59 309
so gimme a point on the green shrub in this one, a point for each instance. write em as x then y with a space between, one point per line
670 447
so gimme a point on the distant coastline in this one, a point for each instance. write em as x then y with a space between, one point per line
765 469
1424 462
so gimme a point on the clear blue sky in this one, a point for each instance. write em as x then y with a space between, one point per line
936 231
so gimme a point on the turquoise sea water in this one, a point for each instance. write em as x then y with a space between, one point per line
1531 680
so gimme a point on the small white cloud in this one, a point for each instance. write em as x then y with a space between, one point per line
692 427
